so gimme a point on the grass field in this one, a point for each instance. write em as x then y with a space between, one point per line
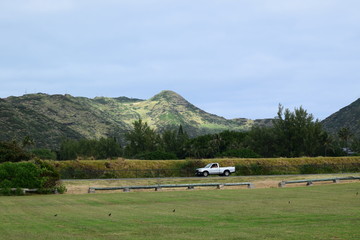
326 212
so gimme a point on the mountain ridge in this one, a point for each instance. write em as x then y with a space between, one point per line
51 118
346 117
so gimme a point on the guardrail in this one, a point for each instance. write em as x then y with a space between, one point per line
160 186
24 190
309 182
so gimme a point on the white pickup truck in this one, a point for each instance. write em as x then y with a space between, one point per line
214 169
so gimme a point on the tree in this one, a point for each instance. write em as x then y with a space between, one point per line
68 150
262 141
89 148
200 147
12 152
141 139
231 140
345 135
169 141
107 148
297 134
181 140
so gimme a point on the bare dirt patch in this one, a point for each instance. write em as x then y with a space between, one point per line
82 186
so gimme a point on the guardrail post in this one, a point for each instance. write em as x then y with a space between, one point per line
190 187
91 190
282 184
309 183
250 185
336 180
158 189
126 190
220 186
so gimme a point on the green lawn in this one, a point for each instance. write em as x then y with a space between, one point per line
318 212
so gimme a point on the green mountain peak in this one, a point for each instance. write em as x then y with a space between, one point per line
49 119
169 96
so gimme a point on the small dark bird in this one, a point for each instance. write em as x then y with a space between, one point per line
357 193
109 214
174 210
55 215
289 202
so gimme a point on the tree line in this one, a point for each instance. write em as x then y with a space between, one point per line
292 134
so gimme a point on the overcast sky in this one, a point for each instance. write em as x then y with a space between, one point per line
232 58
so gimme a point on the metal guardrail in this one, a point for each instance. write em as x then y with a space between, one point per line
309 182
160 186
24 190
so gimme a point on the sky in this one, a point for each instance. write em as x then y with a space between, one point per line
232 58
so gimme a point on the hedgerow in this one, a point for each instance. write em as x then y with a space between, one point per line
36 174
174 168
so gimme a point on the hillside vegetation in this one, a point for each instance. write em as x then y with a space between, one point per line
52 118
292 134
166 126
347 117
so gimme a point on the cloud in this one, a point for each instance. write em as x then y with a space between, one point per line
251 52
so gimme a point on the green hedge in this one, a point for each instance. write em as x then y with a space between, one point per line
36 174
22 174
123 168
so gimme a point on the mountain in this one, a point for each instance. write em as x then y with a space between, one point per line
348 116
51 118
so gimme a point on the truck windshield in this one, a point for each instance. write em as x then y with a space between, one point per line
208 166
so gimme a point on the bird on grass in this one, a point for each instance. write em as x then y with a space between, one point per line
109 214
357 193
55 215
174 210
289 202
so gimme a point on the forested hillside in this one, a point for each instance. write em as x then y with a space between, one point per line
347 117
49 119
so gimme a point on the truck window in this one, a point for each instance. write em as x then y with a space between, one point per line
214 166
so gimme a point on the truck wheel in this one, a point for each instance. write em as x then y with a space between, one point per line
226 173
205 174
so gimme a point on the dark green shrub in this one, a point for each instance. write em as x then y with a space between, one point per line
38 174
23 174
6 191
61 188
12 152
18 191
48 174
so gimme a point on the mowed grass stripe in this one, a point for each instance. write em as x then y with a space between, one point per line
318 212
